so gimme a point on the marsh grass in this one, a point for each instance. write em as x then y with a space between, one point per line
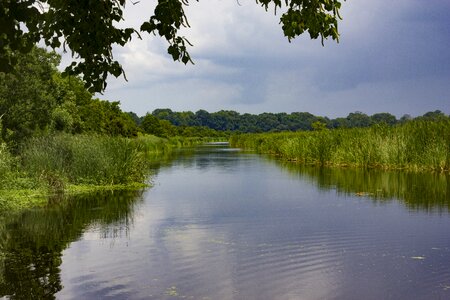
71 164
84 159
5 164
416 145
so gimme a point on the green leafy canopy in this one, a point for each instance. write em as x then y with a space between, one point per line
89 29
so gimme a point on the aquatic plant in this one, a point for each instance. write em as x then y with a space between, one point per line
416 145
87 159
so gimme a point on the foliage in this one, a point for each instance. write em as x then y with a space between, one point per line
32 241
228 120
151 124
26 95
106 117
91 28
415 145
56 165
35 99
5 164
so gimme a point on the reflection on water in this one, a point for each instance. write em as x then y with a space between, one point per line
32 242
417 190
223 224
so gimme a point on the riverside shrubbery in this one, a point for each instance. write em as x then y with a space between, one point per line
416 145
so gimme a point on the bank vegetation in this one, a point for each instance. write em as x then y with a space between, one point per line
416 145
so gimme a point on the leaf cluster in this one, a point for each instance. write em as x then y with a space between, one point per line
35 99
90 29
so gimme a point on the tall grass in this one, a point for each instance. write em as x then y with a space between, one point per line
53 163
416 145
5 165
84 159
93 159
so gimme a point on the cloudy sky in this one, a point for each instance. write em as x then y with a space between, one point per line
393 56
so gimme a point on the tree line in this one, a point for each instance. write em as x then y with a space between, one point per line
36 99
232 121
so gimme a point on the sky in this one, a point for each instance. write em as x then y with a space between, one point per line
393 56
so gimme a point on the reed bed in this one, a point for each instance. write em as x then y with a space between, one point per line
83 159
58 160
416 145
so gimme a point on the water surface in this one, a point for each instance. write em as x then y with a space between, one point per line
225 224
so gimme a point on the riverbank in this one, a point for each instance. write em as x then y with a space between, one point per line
61 165
416 146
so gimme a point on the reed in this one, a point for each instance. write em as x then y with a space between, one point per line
416 145
83 159
5 165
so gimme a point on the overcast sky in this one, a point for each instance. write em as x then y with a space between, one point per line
393 56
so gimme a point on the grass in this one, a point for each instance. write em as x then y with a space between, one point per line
83 159
73 164
416 145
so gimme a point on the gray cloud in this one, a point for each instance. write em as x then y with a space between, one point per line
393 57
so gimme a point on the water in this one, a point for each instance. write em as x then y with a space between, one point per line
224 224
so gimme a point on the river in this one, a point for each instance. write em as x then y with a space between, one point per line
220 223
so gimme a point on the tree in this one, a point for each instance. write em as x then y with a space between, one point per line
36 99
161 128
27 94
358 119
405 118
436 115
90 29
386 118
106 117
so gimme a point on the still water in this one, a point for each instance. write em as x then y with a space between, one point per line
219 223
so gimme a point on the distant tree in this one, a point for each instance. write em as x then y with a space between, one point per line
91 28
436 115
106 117
248 123
339 123
319 126
137 120
386 118
163 113
302 120
162 128
226 120
203 118
405 118
358 119
267 121
151 125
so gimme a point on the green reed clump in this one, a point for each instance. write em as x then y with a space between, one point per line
150 144
6 161
416 145
84 159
